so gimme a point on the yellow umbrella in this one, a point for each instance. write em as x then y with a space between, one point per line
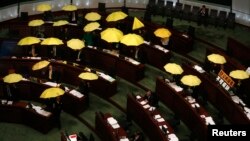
239 74
52 92
216 58
116 16
92 16
88 76
173 68
137 24
75 44
132 40
28 41
191 80
91 26
69 8
52 41
43 7
36 22
60 23
41 64
12 78
111 35
162 33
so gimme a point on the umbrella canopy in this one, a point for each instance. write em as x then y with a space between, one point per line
69 8
88 76
216 58
162 33
52 41
111 35
191 80
52 92
12 78
137 24
173 68
60 23
116 16
43 7
92 16
41 64
75 44
36 22
91 26
132 40
239 74
28 41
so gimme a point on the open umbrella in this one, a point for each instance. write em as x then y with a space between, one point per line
116 16
28 41
91 26
60 23
173 68
41 64
162 33
132 40
88 76
75 44
12 78
37 22
239 74
52 41
43 7
216 58
69 8
191 80
137 24
111 35
52 92
92 16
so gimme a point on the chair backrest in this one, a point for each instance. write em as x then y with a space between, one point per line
222 14
178 6
213 13
187 8
170 4
160 3
195 9
101 7
231 16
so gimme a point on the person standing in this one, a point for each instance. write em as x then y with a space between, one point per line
202 16
57 109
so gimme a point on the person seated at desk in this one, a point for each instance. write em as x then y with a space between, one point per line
51 74
32 51
151 98
139 55
57 108
84 87
73 17
11 93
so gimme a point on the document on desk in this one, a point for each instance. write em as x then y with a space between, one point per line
115 126
24 79
146 106
52 84
106 77
76 93
175 87
173 137
111 120
36 58
161 48
132 61
138 97
157 116
199 69
124 139
40 111
160 119
146 42
209 121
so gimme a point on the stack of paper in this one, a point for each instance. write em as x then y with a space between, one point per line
157 116
53 84
199 69
115 126
106 77
9 102
124 139
151 108
161 48
173 137
76 93
160 119
190 99
195 105
143 102
146 106
146 42
36 58
138 97
165 126
175 87
24 79
3 101
111 120
209 121
40 111
132 61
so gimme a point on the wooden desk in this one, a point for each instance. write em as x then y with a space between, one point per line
23 66
145 119
113 64
18 113
182 108
105 130
155 56
219 97
27 90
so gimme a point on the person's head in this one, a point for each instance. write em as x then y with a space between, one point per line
203 7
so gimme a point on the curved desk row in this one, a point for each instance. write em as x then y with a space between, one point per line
149 120
114 63
219 97
17 112
73 102
108 128
105 86
190 112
